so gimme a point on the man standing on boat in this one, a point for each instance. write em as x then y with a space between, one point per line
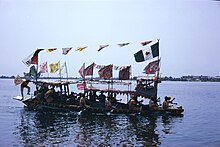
24 84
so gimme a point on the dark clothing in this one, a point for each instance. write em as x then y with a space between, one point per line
101 98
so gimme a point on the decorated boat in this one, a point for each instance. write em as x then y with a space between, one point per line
139 97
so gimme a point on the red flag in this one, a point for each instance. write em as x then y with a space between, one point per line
81 71
106 72
81 86
34 59
89 70
124 74
152 67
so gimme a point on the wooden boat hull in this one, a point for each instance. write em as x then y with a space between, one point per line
121 108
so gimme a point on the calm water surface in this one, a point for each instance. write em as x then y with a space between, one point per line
200 125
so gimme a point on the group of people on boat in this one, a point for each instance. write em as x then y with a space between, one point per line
91 99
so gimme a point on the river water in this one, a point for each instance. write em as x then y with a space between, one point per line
199 126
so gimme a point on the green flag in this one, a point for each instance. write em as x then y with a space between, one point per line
33 71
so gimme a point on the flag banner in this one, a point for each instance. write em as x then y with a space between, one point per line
81 86
102 47
81 48
54 67
123 44
27 76
148 53
18 80
124 74
145 43
27 60
152 67
155 49
63 68
33 71
105 72
66 50
51 49
43 67
81 71
34 59
89 70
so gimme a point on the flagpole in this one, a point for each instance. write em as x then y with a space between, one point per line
157 77
66 72
60 71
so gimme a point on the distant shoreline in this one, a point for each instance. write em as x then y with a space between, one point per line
183 78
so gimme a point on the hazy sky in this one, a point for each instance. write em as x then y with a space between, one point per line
189 33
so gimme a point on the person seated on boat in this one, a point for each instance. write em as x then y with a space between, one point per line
49 95
24 84
102 97
41 92
133 103
82 101
108 104
166 103
153 103
140 85
92 96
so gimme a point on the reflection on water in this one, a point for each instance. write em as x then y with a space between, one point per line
70 129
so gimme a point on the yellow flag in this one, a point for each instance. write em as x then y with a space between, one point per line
81 48
54 67
51 49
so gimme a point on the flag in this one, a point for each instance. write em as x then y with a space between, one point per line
81 86
124 74
63 68
27 76
81 71
105 72
66 50
123 44
81 48
18 80
43 67
89 70
51 49
145 43
147 54
32 58
33 71
152 67
54 67
102 46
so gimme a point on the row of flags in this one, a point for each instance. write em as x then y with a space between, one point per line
105 72
151 51
32 58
